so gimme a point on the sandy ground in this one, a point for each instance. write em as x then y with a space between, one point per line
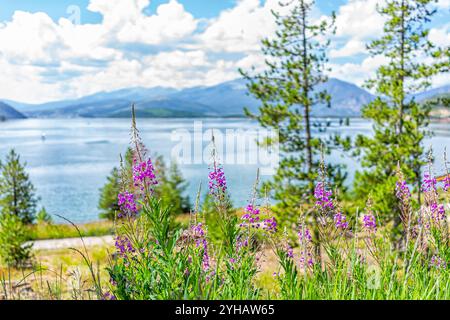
72 242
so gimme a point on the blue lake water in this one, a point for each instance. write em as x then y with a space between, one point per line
70 165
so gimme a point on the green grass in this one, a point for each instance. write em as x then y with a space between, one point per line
59 231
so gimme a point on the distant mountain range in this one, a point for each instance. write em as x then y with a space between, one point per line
7 112
223 100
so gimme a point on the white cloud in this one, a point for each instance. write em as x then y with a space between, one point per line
239 29
91 52
357 72
171 22
359 19
177 59
30 38
352 47
443 4
440 36
22 82
88 41
51 60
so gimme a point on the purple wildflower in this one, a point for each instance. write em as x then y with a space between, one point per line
127 204
438 262
437 212
108 296
200 241
305 239
198 231
304 235
205 260
340 221
251 216
143 174
270 225
369 223
446 186
241 243
217 181
402 190
404 196
306 259
429 183
123 245
289 251
323 197
210 275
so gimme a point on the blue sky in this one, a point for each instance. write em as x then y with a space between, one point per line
57 8
69 48
199 8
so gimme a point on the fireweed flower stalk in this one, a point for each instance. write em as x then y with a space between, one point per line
306 247
323 197
433 215
217 185
124 246
434 210
257 218
153 261
144 177
369 223
217 181
446 181
404 197
199 236
127 205
251 217
270 225
446 186
326 206
202 267
437 262
332 222
144 174
369 229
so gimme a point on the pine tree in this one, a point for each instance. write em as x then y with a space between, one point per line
172 186
14 251
17 193
43 217
288 90
108 202
399 122
108 195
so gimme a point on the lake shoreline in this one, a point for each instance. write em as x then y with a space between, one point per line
68 160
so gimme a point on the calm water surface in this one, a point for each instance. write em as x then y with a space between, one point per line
70 165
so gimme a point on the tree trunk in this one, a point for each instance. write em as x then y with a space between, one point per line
306 105
402 67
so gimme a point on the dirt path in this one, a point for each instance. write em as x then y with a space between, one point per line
72 242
